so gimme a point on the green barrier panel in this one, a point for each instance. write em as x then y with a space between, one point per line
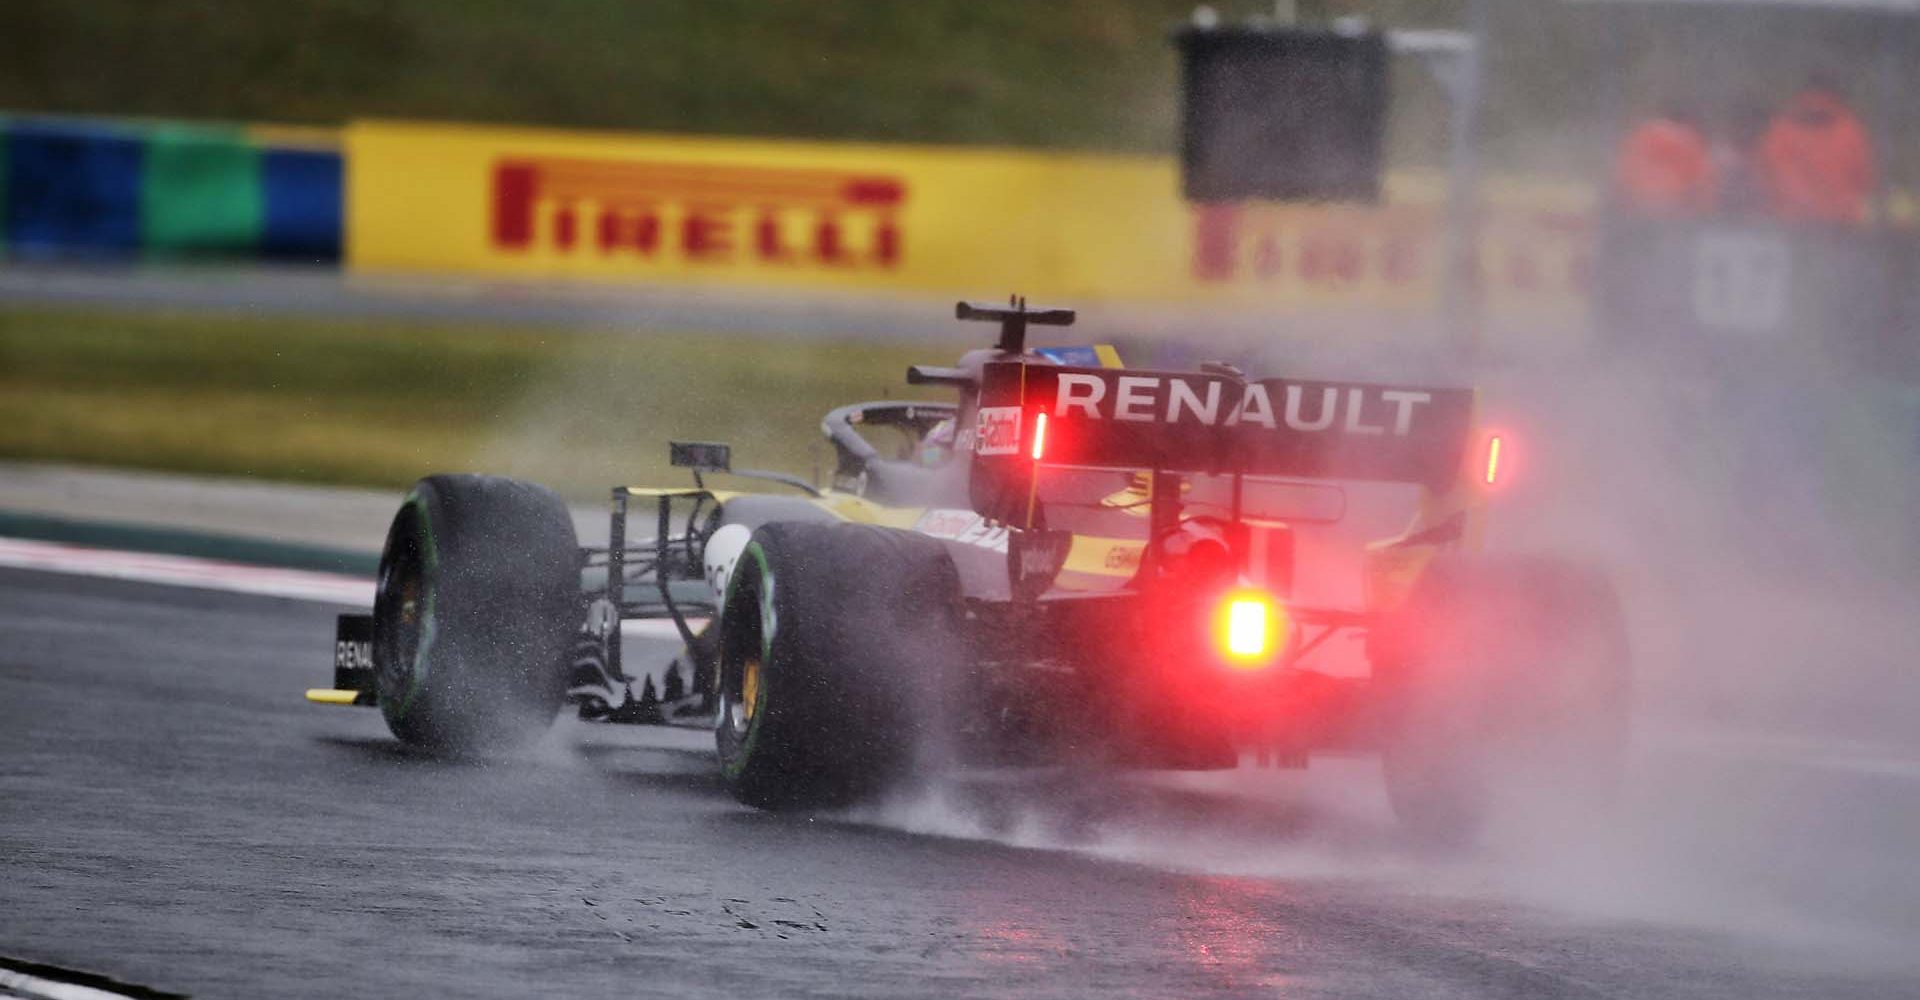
201 192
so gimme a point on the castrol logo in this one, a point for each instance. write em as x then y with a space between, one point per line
998 431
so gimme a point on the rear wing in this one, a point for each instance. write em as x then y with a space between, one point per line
1040 414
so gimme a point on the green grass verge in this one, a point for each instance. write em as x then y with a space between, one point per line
1097 74
1079 73
381 403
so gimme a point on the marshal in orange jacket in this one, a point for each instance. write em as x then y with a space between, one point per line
1667 169
1816 162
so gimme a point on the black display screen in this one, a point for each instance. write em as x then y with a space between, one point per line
1282 114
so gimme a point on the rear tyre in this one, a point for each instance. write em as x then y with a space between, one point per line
475 613
1508 688
835 643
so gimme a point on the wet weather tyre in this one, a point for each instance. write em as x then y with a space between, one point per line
475 613
836 641
1507 683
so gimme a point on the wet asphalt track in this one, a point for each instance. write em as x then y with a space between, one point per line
171 813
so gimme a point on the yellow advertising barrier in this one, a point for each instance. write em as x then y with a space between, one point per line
553 204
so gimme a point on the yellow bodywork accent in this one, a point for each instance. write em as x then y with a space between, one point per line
1390 572
1090 554
1134 498
845 506
860 510
1109 358
330 696
1104 556
1392 566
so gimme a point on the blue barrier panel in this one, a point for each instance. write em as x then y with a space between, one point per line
3 183
72 190
303 204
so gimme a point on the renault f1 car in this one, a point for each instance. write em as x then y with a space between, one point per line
1072 560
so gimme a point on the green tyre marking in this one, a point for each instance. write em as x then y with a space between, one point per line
733 767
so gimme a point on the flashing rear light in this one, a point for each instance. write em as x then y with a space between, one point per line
1251 628
1039 436
1493 461
1246 627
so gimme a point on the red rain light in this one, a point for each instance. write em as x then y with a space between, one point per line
1493 460
1246 628
1039 436
1250 628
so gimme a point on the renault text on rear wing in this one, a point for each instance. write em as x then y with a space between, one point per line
1211 423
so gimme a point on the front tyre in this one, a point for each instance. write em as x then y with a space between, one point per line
836 642
475 613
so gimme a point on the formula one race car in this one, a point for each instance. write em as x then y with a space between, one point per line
1074 561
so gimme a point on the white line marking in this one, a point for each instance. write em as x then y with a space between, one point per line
239 578
33 986
186 571
1858 757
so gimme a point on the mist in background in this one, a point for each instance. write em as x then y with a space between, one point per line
1754 501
